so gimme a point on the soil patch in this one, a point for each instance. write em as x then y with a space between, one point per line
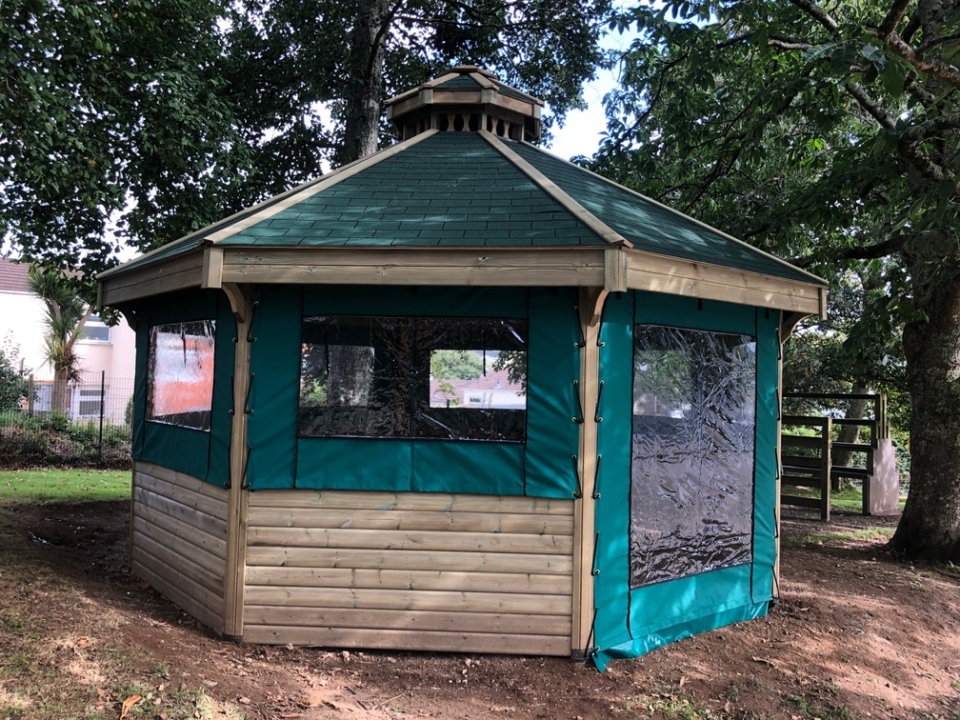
856 634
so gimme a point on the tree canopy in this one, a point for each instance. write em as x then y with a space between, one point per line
134 122
828 133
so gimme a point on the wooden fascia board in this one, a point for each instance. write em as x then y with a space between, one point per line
676 276
176 273
603 231
501 267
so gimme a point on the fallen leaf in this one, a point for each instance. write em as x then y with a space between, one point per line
83 641
244 701
129 703
683 681
104 695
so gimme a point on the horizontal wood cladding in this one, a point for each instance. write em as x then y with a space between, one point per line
414 266
674 276
178 539
418 571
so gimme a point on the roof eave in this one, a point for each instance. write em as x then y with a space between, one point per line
615 269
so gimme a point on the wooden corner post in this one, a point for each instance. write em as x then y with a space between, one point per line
590 304
241 303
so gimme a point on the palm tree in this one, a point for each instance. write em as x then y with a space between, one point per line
67 313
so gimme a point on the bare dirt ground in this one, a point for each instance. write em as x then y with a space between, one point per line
855 635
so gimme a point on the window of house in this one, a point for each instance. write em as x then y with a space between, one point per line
441 378
180 374
94 330
692 459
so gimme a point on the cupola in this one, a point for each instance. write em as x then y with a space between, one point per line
466 99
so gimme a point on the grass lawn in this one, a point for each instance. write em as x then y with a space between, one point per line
63 485
847 499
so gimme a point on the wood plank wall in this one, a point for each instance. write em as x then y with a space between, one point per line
179 539
416 571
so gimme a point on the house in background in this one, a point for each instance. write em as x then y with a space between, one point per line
107 353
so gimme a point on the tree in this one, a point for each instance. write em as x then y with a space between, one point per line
66 315
350 56
830 133
13 388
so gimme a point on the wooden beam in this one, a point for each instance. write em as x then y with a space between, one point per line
591 305
788 323
614 270
675 276
212 273
234 575
176 273
239 297
494 267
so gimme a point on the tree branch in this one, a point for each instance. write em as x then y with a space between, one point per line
818 14
861 252
945 71
870 105
893 18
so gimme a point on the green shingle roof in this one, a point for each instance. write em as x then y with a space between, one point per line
450 190
649 225
458 190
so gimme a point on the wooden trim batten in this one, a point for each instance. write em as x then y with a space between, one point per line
676 276
495 267
603 231
212 273
234 582
590 306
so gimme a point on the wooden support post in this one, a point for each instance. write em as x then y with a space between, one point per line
826 468
590 303
241 300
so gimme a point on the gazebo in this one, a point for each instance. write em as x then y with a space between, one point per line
460 395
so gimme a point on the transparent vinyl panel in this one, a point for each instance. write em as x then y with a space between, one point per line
692 461
180 374
442 378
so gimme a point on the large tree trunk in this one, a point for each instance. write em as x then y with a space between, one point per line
60 402
363 94
930 526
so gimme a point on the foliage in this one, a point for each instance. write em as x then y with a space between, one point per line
455 365
13 388
828 133
125 122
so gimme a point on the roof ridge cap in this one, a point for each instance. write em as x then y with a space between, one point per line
694 220
600 228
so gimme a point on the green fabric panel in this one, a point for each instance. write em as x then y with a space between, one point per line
415 301
467 467
184 449
274 388
221 422
633 622
612 584
362 464
765 481
654 607
553 363
685 312
642 645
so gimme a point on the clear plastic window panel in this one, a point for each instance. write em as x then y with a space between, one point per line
692 462
443 378
180 374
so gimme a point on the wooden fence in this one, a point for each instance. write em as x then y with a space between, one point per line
809 461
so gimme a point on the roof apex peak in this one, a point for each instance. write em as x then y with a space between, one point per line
466 98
